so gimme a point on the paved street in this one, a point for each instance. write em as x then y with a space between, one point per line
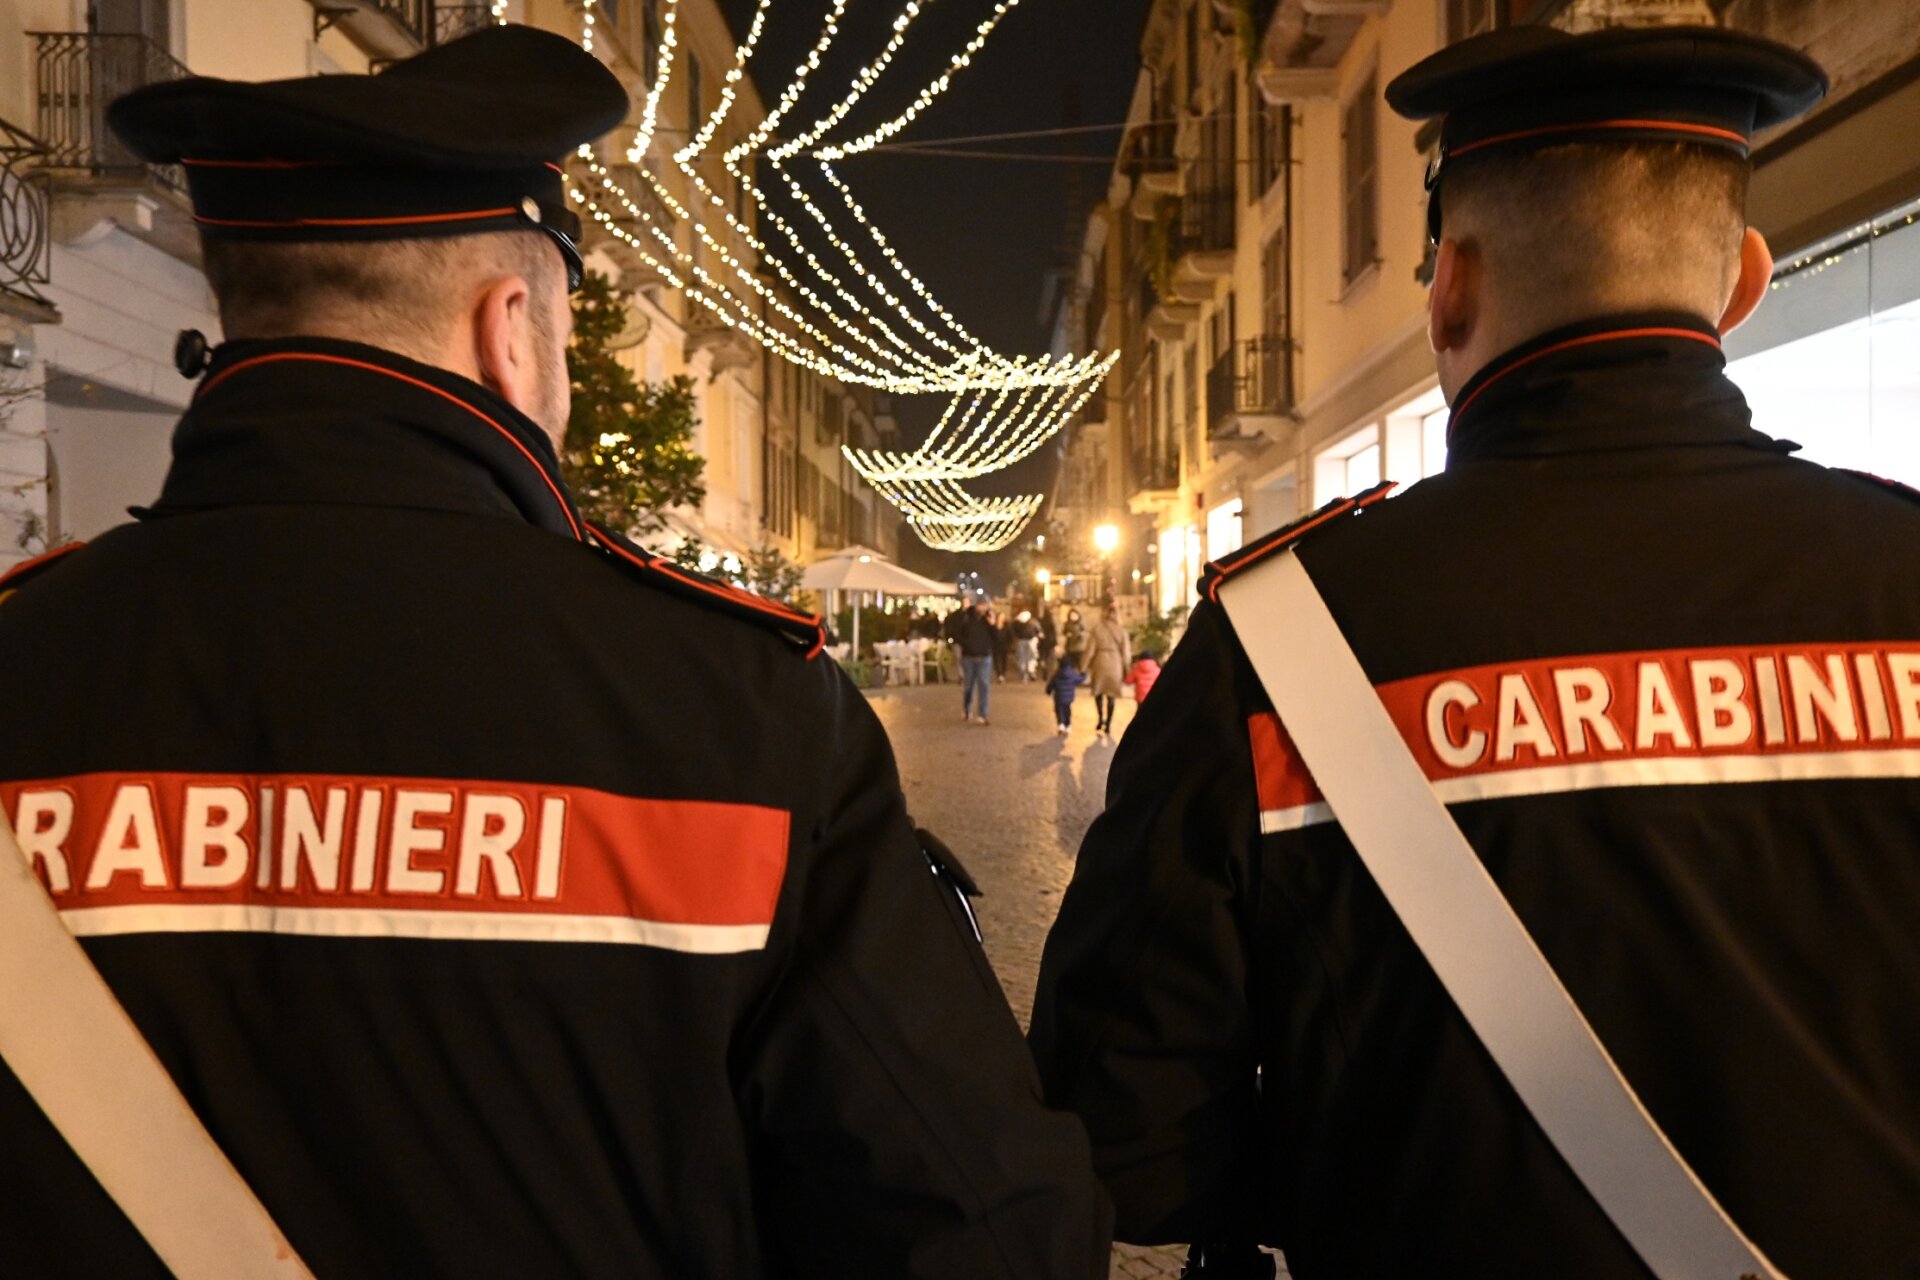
1013 798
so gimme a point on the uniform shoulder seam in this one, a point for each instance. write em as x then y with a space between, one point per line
27 570
639 563
1898 488
1253 553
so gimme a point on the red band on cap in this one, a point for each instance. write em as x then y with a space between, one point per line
470 216
1663 126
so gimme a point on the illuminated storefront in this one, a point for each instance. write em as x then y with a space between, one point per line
1832 359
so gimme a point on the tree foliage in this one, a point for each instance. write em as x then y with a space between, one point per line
629 447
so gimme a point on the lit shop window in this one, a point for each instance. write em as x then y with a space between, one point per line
1347 467
1173 576
1223 529
1832 358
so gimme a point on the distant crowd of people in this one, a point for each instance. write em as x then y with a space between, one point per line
1062 653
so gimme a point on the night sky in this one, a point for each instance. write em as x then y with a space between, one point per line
982 233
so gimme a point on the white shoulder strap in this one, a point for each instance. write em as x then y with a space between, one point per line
1469 933
78 1053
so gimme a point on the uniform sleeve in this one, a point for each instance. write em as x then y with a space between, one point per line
1141 1023
897 1111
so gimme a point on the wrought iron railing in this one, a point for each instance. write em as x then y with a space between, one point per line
1151 148
25 247
80 74
451 21
1154 469
1251 377
1206 222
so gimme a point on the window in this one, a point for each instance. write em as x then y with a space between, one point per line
1360 179
694 113
1220 331
1223 529
1433 442
1190 369
1192 43
1347 467
1271 140
649 36
1470 18
1274 287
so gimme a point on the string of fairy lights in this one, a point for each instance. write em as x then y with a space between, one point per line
843 315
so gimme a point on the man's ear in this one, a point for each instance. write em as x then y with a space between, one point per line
1750 289
503 342
1453 303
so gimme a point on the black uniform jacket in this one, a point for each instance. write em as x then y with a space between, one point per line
504 906
1668 679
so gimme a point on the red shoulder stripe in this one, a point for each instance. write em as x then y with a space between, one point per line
13 577
1225 567
739 599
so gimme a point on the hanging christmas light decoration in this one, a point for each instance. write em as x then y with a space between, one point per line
855 328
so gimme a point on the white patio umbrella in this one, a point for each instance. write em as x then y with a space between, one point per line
862 569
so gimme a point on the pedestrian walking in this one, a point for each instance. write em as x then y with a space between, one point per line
1002 643
1663 770
1142 674
1049 639
1109 652
1026 638
480 941
972 634
1061 687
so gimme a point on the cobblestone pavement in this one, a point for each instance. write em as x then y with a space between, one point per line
1013 798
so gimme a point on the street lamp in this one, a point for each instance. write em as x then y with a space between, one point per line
1043 576
1107 539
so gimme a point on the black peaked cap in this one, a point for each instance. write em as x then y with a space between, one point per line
1530 87
463 138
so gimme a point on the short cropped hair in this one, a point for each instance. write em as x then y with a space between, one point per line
405 295
1584 226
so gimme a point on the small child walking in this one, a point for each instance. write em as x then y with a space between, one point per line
1145 670
1062 685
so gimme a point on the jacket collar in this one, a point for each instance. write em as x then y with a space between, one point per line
319 421
1638 381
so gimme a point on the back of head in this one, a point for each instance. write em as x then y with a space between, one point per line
1570 232
408 296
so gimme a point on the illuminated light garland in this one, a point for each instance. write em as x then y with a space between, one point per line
658 77
969 367
961 60
989 435
984 450
729 91
869 76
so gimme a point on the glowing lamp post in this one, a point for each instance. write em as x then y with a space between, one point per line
1106 539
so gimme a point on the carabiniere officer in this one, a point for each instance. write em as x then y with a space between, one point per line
505 901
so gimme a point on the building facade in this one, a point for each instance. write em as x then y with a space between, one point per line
1261 256
100 264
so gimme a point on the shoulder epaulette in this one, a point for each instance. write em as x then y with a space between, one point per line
1895 487
1253 553
805 628
27 570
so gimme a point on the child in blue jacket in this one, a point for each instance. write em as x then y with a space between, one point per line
1061 686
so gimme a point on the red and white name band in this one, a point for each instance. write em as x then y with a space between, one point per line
400 857
1654 718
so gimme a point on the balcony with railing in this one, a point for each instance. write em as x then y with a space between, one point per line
80 73
25 239
1148 154
1249 391
1203 233
92 176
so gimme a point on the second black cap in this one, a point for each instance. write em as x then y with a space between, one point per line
1531 87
